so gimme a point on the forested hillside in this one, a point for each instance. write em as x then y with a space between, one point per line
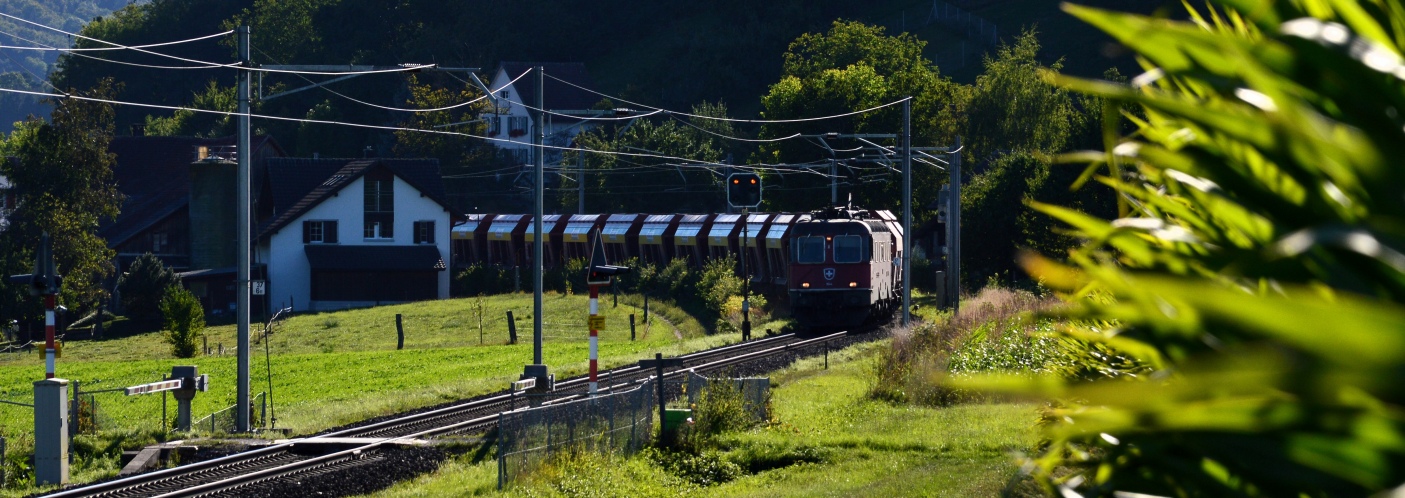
25 69
972 65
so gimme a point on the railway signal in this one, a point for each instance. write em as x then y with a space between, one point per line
599 273
744 190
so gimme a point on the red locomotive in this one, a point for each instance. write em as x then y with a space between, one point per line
845 268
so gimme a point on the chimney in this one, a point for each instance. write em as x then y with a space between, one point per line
138 129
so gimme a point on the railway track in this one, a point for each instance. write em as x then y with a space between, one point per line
366 444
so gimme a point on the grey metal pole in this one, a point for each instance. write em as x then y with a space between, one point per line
907 211
580 181
955 220
540 139
833 182
241 416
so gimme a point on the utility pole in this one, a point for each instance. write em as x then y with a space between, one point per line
580 179
907 211
746 279
540 139
241 287
953 221
833 180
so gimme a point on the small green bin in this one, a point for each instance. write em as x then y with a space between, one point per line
675 418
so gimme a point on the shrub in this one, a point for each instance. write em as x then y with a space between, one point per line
143 287
184 322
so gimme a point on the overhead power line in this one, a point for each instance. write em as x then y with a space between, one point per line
354 125
49 48
735 120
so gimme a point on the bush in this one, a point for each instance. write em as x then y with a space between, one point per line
143 286
184 322
484 279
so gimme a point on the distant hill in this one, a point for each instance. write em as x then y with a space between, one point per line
23 69
668 54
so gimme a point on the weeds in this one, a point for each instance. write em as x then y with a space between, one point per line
994 332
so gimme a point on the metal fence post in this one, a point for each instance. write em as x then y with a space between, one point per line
73 411
502 446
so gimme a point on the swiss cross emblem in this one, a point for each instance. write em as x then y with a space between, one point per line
829 273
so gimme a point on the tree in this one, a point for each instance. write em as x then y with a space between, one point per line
638 180
850 68
144 285
183 320
1014 109
62 172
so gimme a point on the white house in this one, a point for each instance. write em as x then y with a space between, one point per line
511 121
341 233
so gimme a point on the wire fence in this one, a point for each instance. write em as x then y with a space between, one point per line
222 420
755 392
619 422
111 409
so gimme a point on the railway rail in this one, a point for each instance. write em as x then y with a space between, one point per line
364 444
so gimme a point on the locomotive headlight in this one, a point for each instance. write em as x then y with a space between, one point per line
804 285
853 285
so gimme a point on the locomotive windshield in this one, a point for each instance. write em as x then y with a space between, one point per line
809 250
848 249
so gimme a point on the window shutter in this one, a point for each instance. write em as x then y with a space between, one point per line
429 232
307 232
329 232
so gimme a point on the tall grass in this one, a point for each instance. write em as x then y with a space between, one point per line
994 331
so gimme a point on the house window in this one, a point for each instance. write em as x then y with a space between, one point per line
504 94
516 126
380 205
424 232
158 242
319 232
494 125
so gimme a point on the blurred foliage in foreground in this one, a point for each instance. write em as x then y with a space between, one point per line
1256 268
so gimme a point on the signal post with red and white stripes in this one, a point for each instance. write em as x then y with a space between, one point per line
599 273
594 335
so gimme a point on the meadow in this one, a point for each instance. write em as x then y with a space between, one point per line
330 369
827 438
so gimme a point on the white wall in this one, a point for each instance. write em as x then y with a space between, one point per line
290 276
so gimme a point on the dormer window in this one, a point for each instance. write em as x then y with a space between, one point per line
380 205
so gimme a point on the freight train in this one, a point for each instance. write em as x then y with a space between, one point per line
839 267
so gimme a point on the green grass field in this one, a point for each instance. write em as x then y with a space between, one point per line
330 369
844 443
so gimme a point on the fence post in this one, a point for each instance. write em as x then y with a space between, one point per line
631 326
511 328
399 333
646 308
73 411
502 458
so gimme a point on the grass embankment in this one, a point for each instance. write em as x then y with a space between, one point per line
340 367
335 368
828 439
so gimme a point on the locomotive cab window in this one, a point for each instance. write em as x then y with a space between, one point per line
848 249
809 250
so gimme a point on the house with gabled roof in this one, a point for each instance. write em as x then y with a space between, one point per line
155 176
341 233
510 121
